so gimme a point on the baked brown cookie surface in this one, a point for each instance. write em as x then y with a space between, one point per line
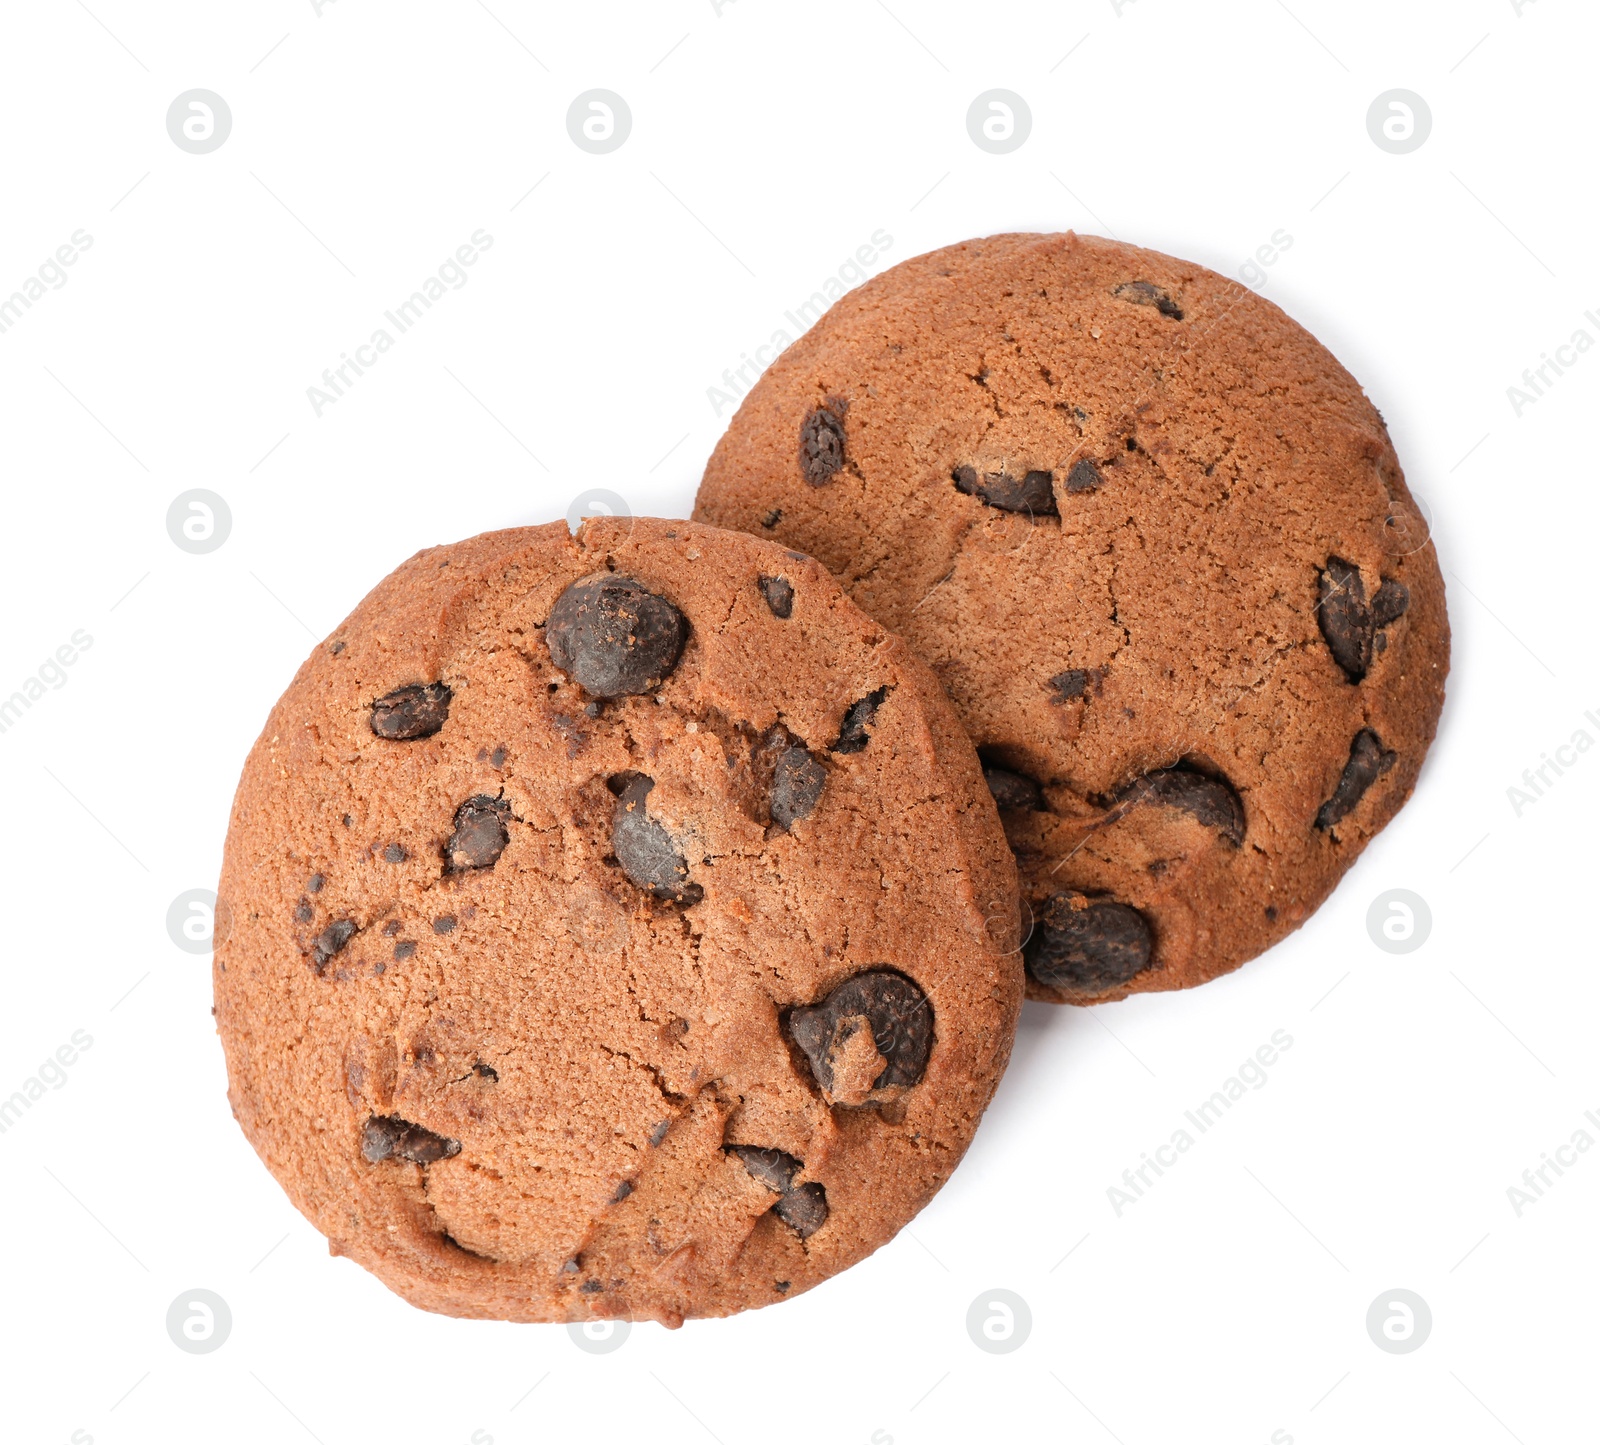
1156 543
620 928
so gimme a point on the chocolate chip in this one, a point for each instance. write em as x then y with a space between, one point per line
1012 790
1143 293
444 923
480 835
1087 946
1084 476
797 783
614 636
417 710
622 1191
645 849
772 518
487 1071
1344 617
403 950
315 881
889 1004
771 1167
302 910
1030 493
392 927
386 1135
1368 760
822 442
1389 602
659 1133
590 1286
497 759
1069 685
332 940
394 853
854 732
804 1210
337 648
1210 800
779 595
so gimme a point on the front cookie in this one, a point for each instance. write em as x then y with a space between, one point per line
612 940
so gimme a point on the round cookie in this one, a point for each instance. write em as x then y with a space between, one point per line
1155 542
621 928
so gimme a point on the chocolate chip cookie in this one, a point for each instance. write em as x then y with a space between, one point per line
622 928
1156 543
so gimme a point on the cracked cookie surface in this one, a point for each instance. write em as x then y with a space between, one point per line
521 1000
1156 543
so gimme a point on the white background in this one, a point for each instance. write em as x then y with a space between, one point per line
768 143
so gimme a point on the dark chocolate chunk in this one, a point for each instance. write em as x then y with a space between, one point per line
1084 476
797 783
392 927
1389 602
645 849
1368 760
497 759
417 710
822 442
1210 800
1030 493
1143 293
1344 617
315 881
480 835
614 636
622 1191
891 1005
444 923
804 1210
854 732
771 1167
772 518
332 940
403 950
487 1071
1069 685
394 853
659 1133
302 910
1087 946
779 594
1012 790
387 1136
